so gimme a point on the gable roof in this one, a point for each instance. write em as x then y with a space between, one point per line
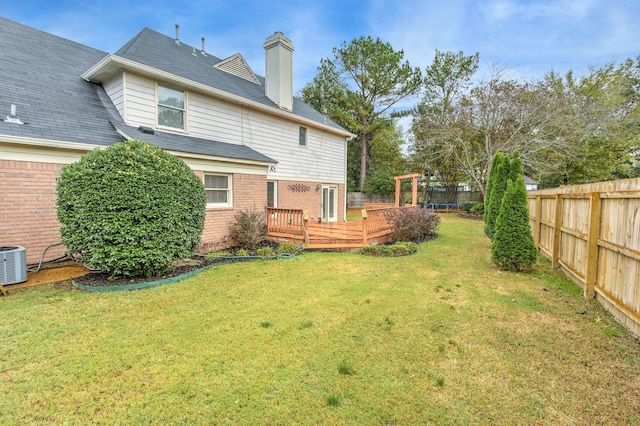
237 66
155 54
40 73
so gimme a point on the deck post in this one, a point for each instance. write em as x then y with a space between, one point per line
364 228
414 190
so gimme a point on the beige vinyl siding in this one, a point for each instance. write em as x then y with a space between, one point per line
213 119
140 101
115 90
322 159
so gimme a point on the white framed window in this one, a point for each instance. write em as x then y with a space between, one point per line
218 190
171 108
272 193
303 136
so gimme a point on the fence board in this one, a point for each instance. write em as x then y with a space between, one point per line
592 232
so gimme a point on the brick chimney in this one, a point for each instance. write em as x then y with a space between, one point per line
279 70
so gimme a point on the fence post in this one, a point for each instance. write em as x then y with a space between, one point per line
557 224
536 232
592 244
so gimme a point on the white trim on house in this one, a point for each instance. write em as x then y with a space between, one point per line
304 179
228 190
47 151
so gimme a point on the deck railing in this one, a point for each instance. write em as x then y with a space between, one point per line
293 225
371 206
287 222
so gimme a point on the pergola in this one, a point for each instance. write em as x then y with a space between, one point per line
414 190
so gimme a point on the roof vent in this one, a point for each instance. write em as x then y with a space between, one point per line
13 265
177 40
202 50
147 130
13 118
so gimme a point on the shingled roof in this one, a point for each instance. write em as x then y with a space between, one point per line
40 74
159 52
188 144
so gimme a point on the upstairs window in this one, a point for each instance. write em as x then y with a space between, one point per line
303 136
170 108
218 190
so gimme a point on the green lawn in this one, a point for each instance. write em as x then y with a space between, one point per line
440 337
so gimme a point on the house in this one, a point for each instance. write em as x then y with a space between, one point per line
247 137
530 184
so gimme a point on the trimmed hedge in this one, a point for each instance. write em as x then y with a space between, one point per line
401 248
131 209
477 208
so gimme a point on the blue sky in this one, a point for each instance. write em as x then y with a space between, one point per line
528 37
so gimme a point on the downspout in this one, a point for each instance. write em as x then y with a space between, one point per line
346 158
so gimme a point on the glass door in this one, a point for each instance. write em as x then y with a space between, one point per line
329 203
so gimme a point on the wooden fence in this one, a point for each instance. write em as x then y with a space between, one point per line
592 232
356 200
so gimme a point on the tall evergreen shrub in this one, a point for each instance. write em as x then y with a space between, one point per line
513 248
131 209
498 187
515 168
497 158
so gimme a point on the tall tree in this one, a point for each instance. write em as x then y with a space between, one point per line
606 107
436 126
360 84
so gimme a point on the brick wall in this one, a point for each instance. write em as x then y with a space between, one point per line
249 192
28 207
311 200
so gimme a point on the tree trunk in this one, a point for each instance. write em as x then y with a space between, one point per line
363 160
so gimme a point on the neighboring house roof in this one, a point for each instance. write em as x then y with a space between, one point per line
529 181
150 52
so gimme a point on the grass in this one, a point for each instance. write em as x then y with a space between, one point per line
439 337
354 214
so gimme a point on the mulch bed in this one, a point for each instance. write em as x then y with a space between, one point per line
101 279
468 215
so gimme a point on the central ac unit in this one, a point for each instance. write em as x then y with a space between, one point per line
13 265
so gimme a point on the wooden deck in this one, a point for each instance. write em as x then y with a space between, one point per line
292 225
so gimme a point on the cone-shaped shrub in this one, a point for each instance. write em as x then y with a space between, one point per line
498 187
513 248
515 166
497 158
131 209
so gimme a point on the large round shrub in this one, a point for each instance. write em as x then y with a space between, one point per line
130 209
